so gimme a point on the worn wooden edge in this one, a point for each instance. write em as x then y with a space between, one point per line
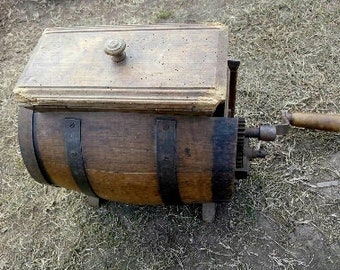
135 27
27 67
118 99
221 80
27 147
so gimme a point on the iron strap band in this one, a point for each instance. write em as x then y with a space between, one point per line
74 155
27 135
224 142
167 161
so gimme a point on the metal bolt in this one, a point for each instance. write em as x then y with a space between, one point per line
115 48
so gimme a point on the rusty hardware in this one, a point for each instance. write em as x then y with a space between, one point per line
115 48
167 161
73 149
269 133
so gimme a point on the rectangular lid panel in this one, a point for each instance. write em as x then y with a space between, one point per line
178 68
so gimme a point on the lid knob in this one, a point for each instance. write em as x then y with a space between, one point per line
115 48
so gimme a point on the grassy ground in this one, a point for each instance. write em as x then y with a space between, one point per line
280 217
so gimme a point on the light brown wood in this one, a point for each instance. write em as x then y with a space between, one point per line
60 173
168 69
133 188
327 122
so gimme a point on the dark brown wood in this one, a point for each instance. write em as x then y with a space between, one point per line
168 68
120 158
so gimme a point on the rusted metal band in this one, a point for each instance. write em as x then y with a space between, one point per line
74 155
166 161
29 146
224 142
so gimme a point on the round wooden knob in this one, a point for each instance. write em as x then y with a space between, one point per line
115 48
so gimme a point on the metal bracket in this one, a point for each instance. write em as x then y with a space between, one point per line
74 155
166 161
282 129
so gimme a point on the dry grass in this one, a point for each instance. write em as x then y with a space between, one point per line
290 60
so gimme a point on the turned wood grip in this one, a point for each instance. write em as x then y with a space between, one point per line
315 121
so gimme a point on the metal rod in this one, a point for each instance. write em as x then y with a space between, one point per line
252 132
233 67
263 133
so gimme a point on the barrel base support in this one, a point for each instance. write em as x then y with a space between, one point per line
93 201
208 212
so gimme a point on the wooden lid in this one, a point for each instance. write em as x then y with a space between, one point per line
167 68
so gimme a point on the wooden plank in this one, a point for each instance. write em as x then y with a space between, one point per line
181 68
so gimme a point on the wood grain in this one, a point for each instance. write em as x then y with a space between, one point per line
119 154
171 68
327 122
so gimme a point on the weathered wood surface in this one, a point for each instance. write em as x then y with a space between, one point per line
120 156
168 68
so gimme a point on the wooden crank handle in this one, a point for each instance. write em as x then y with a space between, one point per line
325 122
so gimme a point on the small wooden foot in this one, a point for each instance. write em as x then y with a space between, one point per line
93 201
208 212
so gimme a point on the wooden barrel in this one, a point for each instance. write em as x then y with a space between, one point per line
143 159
